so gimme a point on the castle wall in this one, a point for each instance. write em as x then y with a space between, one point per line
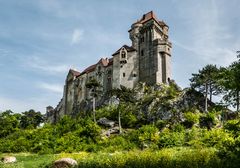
125 69
69 94
148 60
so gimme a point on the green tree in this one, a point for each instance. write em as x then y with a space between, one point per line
31 119
230 79
9 122
93 85
206 82
125 96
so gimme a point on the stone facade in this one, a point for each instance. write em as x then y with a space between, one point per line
147 60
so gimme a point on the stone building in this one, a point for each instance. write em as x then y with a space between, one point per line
147 60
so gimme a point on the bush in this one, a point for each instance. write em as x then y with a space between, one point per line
171 139
232 126
208 120
160 124
190 119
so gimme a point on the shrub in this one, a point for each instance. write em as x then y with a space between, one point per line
190 119
171 139
178 128
232 126
160 124
208 120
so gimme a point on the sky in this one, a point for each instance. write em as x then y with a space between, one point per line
41 39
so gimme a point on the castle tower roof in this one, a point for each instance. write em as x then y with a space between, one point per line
148 16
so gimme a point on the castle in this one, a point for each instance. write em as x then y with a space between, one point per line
147 60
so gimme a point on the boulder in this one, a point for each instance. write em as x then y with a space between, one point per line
106 122
9 159
65 163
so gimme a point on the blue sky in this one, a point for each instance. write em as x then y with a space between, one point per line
41 39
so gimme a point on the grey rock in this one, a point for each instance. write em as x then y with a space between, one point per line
9 159
65 163
106 122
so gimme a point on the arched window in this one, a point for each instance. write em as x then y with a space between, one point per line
123 54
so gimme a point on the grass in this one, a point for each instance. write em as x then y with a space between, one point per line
165 158
27 160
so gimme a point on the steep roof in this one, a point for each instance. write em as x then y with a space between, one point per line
128 48
150 15
74 72
104 61
89 69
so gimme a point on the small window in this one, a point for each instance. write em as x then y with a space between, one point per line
124 74
134 75
109 72
123 54
123 62
142 52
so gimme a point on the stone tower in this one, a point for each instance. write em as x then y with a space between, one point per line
150 38
147 60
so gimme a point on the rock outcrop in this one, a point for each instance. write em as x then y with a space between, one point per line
106 122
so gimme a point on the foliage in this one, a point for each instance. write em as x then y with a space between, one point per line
165 158
206 81
230 81
233 126
9 123
208 120
94 86
31 119
190 119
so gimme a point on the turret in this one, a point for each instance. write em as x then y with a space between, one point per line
134 34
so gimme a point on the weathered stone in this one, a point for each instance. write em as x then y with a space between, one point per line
65 163
147 60
106 122
9 159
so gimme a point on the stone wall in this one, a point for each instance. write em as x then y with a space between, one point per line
148 60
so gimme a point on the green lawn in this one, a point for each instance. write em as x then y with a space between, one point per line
26 160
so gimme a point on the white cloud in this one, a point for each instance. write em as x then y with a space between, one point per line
76 36
56 88
39 64
208 37
17 105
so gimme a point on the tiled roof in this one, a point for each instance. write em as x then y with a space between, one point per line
74 72
104 61
148 16
89 69
128 48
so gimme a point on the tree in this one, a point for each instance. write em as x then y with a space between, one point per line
231 82
125 95
9 123
205 81
93 85
31 119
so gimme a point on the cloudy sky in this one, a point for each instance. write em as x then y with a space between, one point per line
41 39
